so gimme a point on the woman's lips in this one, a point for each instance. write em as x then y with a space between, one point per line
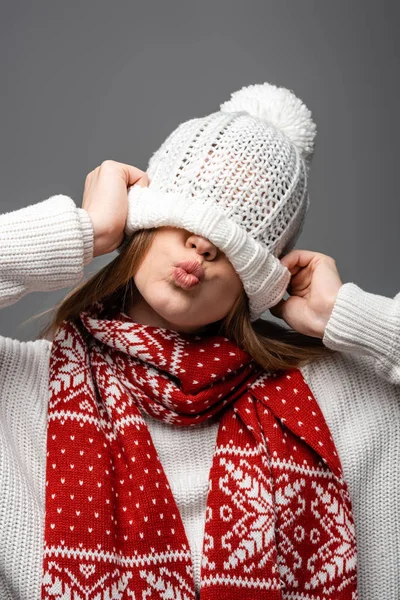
188 273
185 280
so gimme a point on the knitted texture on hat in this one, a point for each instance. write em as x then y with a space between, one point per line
239 178
279 520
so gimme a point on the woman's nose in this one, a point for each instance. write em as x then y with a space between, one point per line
203 246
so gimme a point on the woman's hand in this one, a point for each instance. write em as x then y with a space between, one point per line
313 289
105 198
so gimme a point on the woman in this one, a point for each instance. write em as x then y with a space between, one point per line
253 472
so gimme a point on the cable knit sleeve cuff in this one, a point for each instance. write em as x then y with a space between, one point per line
87 234
43 247
363 323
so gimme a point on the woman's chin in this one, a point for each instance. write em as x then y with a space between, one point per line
180 314
182 309
177 317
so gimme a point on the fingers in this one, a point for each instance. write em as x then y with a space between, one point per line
297 259
144 181
130 173
134 175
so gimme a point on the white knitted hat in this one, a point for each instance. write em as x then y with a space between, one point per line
238 177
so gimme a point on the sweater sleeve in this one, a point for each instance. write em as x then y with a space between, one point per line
367 324
43 247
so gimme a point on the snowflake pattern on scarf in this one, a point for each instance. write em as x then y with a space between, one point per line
278 519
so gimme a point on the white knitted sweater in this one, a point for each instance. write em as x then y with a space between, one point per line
45 247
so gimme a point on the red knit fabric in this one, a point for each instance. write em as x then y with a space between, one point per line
279 518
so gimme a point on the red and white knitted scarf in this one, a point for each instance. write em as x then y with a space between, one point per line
279 518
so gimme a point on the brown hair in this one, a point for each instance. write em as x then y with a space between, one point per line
274 346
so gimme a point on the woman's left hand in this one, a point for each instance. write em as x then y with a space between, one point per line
313 288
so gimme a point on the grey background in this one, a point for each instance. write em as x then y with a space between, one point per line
88 81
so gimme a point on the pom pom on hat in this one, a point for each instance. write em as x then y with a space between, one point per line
280 107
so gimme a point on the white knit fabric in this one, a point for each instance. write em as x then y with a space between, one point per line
239 178
358 390
261 273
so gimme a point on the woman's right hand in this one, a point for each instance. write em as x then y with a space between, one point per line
105 198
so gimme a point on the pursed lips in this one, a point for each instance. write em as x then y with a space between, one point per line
188 273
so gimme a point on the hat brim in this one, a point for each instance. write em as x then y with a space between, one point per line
264 278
